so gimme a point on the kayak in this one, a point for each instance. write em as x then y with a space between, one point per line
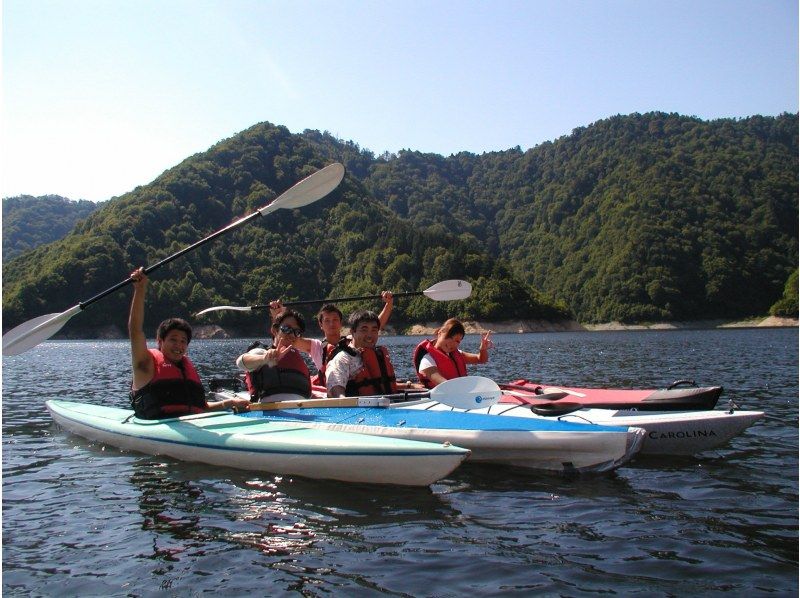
542 444
224 439
666 433
681 395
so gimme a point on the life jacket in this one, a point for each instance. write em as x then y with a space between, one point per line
290 375
329 351
175 390
450 365
377 375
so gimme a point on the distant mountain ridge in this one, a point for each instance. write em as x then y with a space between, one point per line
32 221
639 217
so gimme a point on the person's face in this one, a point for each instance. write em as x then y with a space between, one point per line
286 334
174 345
330 323
448 344
365 336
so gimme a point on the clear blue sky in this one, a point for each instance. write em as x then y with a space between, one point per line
100 96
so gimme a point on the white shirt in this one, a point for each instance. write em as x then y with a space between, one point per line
342 368
316 352
426 362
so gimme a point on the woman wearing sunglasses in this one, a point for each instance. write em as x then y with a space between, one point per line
277 372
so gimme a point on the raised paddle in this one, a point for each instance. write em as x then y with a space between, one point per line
310 189
466 392
447 290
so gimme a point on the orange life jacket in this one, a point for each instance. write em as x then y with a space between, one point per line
377 375
450 365
175 390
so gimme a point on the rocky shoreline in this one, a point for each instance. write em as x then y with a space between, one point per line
532 326
212 331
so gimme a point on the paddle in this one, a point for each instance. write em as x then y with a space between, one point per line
447 290
310 189
545 390
467 392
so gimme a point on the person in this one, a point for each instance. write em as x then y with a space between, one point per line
362 367
329 320
165 382
440 359
277 372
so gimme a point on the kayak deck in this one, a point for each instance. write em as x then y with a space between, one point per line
548 445
221 438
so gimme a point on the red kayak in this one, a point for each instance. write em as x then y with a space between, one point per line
682 395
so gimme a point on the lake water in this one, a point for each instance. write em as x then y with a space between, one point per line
83 519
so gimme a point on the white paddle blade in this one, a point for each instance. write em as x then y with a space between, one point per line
29 334
310 189
467 392
449 290
220 307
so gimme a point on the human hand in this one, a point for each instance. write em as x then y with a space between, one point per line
486 342
273 356
275 307
387 297
139 279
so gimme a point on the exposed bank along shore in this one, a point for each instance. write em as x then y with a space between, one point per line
526 326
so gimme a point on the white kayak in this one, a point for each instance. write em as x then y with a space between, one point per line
546 444
667 433
221 438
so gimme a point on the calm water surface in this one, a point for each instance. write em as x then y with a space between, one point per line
83 519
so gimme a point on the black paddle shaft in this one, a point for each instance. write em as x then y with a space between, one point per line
166 260
339 300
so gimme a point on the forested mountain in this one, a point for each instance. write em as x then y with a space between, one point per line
639 217
346 244
32 221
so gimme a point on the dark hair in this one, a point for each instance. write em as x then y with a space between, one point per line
359 317
171 324
329 308
289 313
451 327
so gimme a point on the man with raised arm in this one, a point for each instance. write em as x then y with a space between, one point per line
165 381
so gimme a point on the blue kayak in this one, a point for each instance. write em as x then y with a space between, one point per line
543 444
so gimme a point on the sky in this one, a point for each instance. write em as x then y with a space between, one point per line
100 96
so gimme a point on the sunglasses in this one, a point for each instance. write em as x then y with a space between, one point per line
289 330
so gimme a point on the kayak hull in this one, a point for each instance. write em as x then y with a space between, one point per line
224 439
666 433
547 445
675 398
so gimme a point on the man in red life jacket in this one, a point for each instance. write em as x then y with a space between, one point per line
277 372
329 320
363 368
440 359
165 381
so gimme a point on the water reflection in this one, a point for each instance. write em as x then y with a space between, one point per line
275 515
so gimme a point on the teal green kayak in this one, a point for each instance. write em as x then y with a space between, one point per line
221 438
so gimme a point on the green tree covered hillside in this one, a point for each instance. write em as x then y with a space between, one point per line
32 221
634 218
346 244
640 217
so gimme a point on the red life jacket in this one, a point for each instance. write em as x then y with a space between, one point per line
175 390
377 375
450 365
290 375
329 351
